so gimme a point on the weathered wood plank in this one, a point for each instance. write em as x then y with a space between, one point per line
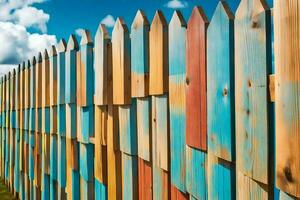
177 194
161 183
62 116
102 67
61 161
121 63
158 71
61 72
220 84
196 117
160 132
45 80
53 75
32 83
86 163
100 190
196 169
87 124
70 71
71 120
129 177
220 178
140 55
39 81
252 62
287 50
128 128
86 72
143 128
177 75
145 179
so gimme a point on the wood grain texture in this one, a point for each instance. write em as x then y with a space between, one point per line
53 75
177 101
252 62
39 81
196 170
143 128
248 189
177 194
161 184
114 162
32 83
61 72
71 71
158 71
287 49
196 117
129 177
121 63
220 84
45 80
128 128
145 179
102 67
160 132
140 55
220 178
86 69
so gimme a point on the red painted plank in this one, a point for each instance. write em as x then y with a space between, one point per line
196 80
145 180
177 194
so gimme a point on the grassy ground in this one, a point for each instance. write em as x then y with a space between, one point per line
4 193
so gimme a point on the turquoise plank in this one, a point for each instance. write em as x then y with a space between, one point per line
86 163
87 123
143 127
46 120
45 187
71 129
31 163
17 164
39 125
61 76
87 70
196 165
128 128
220 84
252 64
53 190
177 76
13 119
61 157
61 119
130 177
70 73
31 138
53 75
53 157
100 191
75 185
220 171
31 119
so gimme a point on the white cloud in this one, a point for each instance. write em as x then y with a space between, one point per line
176 4
32 17
4 69
17 43
79 31
109 21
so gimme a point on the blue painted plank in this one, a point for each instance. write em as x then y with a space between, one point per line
46 120
71 120
177 76
53 76
196 165
17 164
75 185
70 70
53 157
39 120
100 191
32 119
53 119
45 187
53 190
221 178
143 127
252 64
61 157
61 119
220 84
130 177
87 123
86 164
128 128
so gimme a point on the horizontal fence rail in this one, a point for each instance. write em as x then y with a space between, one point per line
177 111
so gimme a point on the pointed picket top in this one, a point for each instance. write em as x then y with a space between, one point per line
222 8
19 68
177 19
72 43
197 16
120 26
45 54
140 19
23 65
101 33
61 46
27 64
86 38
52 51
14 71
40 57
159 19
251 8
33 61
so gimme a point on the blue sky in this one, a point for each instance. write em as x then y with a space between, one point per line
30 26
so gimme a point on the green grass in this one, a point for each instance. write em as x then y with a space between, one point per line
4 193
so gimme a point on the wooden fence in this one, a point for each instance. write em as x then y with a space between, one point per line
183 110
